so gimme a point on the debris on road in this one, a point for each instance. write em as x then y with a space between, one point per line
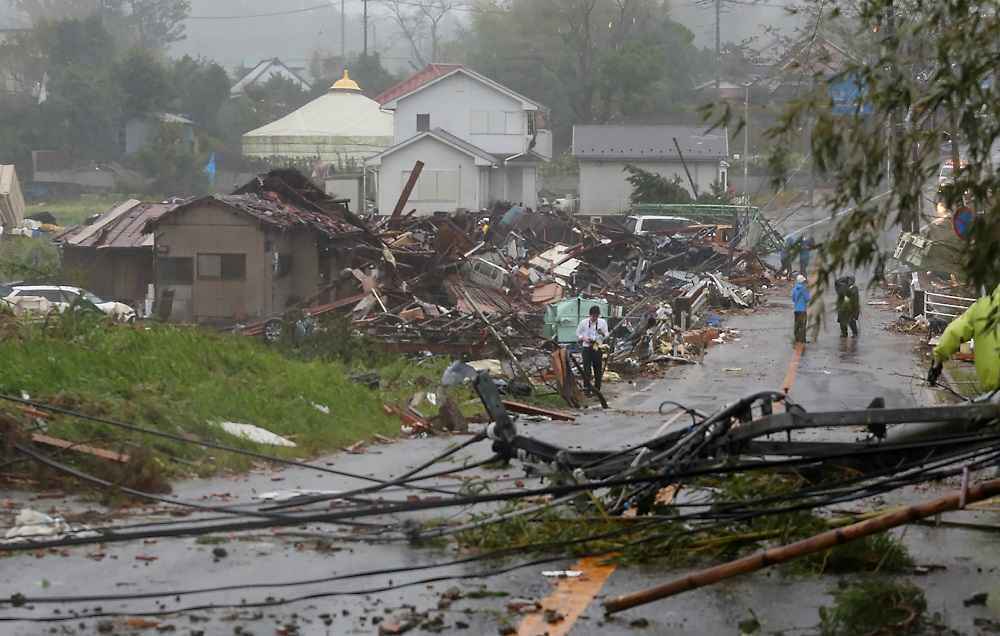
255 434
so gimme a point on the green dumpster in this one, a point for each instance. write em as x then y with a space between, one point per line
563 317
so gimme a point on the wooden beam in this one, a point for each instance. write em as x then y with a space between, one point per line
530 409
112 456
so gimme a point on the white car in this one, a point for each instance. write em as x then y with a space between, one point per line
61 298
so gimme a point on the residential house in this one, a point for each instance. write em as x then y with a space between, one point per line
264 71
603 151
143 129
113 256
250 255
480 142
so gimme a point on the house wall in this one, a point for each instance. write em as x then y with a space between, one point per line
437 158
451 103
302 281
514 183
113 274
211 230
604 189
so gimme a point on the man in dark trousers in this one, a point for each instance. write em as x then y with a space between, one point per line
848 305
591 333
800 302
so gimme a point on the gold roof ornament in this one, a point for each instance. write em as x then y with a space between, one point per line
345 83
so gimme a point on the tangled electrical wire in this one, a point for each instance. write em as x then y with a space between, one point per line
737 439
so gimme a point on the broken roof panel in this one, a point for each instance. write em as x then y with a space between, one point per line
270 210
122 227
11 199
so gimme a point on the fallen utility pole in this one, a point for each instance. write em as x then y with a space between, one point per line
694 187
814 544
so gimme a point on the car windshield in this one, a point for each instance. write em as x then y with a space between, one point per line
5 290
89 297
630 224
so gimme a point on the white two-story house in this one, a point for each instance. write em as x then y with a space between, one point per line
479 141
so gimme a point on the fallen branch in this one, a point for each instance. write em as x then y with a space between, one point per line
814 544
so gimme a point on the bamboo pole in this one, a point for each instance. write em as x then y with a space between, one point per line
817 543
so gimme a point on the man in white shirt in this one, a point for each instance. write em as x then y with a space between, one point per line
591 333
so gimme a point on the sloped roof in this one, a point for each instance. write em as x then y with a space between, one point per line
415 81
445 137
337 113
256 74
269 210
433 73
123 227
648 143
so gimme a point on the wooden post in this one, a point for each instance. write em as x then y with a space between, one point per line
814 544
404 196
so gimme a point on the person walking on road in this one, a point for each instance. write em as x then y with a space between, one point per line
591 333
800 301
848 305
806 247
980 322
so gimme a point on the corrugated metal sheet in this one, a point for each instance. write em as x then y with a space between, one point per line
121 228
11 199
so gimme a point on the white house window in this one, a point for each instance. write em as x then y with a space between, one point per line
485 122
435 185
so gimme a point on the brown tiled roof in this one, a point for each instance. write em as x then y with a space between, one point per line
427 74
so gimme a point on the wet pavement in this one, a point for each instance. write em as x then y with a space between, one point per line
832 374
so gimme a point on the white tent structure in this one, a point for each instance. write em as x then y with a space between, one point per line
342 128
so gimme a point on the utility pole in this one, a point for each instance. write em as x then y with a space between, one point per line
746 146
718 46
343 34
365 20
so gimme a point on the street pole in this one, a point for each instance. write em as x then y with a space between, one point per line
343 34
746 146
365 20
718 46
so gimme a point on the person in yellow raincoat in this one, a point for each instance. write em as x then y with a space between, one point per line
980 322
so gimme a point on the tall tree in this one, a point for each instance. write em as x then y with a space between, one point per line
927 74
144 83
590 61
201 87
421 23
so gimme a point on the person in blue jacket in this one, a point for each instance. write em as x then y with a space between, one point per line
800 300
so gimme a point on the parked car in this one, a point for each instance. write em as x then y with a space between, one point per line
650 224
62 297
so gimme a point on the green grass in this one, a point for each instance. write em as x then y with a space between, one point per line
181 380
74 211
875 606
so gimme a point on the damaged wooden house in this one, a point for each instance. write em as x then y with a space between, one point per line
220 259
274 243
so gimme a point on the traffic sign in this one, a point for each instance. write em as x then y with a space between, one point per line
962 221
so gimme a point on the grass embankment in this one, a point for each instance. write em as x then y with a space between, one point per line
183 380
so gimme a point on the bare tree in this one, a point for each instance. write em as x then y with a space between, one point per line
420 23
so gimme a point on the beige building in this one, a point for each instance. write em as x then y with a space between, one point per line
234 258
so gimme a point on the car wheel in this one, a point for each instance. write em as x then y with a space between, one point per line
274 329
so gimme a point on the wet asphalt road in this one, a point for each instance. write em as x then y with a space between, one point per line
832 374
